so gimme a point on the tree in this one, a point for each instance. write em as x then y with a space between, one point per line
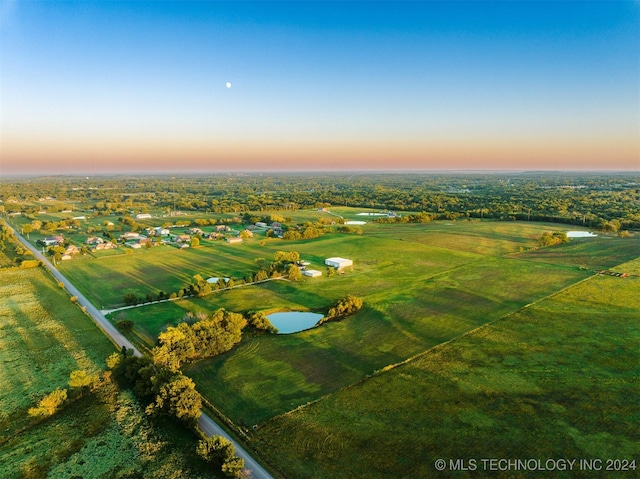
178 398
344 307
195 241
294 272
221 452
28 228
50 403
287 256
130 299
80 379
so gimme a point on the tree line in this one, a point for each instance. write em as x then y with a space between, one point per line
588 199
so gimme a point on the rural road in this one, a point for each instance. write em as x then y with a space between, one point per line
205 423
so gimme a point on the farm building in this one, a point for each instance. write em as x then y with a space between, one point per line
237 239
314 273
143 216
338 262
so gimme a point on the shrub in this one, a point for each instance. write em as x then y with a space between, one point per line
51 403
124 325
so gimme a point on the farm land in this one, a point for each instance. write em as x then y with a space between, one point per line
43 338
556 379
470 334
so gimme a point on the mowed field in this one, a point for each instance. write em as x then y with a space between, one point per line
421 284
558 379
43 338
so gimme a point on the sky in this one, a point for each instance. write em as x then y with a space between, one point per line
95 87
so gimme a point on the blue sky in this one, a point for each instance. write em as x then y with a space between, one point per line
107 86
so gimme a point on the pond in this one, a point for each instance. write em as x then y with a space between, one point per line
580 234
293 321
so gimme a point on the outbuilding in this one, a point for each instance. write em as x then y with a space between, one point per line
338 263
314 273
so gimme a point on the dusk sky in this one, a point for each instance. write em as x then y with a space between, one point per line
94 87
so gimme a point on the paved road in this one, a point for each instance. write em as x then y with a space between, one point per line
206 424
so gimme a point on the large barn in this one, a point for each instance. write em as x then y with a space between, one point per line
338 263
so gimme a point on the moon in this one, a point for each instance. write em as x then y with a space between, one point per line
228 84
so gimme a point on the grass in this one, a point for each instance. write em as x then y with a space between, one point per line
556 379
417 294
43 337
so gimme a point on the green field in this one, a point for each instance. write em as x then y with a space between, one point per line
43 338
558 379
422 285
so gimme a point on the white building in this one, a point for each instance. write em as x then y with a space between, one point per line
143 216
338 262
314 273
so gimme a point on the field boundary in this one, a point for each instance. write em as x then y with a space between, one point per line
421 354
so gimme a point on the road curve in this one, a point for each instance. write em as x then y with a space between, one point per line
207 425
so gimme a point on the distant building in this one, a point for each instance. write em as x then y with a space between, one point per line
51 241
143 216
237 239
260 224
94 240
314 273
338 263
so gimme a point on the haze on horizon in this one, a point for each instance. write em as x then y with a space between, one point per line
90 87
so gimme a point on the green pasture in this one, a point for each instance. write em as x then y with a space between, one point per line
417 294
388 252
596 253
266 376
43 337
556 379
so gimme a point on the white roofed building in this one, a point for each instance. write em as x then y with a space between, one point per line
338 262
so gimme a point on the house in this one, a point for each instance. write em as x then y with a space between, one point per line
182 239
222 228
195 231
51 241
260 224
72 249
65 257
134 245
313 273
143 216
338 263
103 246
160 231
94 240
215 236
237 239
130 235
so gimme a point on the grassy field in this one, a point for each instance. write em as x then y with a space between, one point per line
558 379
417 294
43 338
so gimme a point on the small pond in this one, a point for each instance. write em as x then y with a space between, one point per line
580 234
294 321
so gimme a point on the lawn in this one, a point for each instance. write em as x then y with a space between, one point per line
558 379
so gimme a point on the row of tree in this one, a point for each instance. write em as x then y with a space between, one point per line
344 307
